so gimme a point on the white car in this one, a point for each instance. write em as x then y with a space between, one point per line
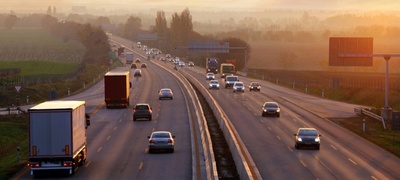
238 86
214 84
210 76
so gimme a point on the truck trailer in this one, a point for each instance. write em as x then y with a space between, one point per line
117 88
57 136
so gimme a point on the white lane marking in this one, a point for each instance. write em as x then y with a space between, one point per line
374 178
108 138
278 137
98 150
304 164
352 161
115 128
269 128
140 165
87 164
333 147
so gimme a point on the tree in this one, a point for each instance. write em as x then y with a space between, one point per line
161 24
102 20
48 21
49 10
181 27
54 10
10 21
75 18
238 54
132 26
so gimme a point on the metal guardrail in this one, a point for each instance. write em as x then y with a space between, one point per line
361 111
11 110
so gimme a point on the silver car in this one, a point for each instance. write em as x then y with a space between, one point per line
161 140
238 86
165 93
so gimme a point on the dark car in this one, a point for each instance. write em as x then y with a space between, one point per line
137 73
271 109
307 137
161 140
142 111
144 65
254 86
137 60
133 66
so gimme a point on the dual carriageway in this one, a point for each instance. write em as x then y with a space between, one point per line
117 146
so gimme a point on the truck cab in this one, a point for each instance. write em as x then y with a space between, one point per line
230 80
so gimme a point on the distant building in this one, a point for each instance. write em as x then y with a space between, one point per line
79 10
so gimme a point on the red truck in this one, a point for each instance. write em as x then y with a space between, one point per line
117 87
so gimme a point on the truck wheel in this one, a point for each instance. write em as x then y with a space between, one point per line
134 119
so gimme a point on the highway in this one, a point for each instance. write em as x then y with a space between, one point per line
118 146
270 140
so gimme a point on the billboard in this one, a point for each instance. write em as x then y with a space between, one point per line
350 51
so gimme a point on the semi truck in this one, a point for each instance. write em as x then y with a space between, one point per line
226 69
212 65
129 57
57 136
117 87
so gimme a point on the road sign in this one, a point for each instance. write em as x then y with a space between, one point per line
350 51
17 88
208 46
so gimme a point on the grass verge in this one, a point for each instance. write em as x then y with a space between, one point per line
14 133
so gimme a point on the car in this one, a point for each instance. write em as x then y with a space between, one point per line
168 55
142 111
238 86
307 137
161 140
214 84
254 86
210 76
165 93
133 66
144 65
271 109
137 73
191 64
137 60
181 64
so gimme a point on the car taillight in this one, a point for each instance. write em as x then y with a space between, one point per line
34 164
169 140
151 141
67 164
134 110
149 110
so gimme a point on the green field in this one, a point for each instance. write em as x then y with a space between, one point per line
38 44
34 68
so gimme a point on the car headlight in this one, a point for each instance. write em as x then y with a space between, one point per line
217 85
316 139
265 110
299 139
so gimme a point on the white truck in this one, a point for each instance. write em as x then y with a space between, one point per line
57 136
230 80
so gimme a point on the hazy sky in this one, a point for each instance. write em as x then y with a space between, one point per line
173 5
